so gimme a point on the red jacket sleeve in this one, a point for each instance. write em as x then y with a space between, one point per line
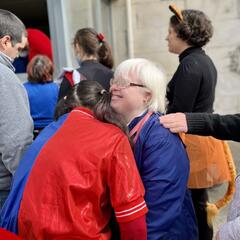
134 230
126 188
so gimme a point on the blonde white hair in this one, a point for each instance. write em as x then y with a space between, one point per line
143 71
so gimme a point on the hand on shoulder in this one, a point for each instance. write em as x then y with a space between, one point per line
176 122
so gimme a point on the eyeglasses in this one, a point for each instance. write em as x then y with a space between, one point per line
124 84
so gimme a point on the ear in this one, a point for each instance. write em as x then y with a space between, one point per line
147 96
5 42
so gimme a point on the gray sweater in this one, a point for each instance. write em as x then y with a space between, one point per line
16 125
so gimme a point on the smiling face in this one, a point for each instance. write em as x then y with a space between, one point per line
7 47
127 100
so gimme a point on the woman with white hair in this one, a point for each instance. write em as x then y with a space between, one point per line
138 93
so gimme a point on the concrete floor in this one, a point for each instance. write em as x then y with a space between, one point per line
217 192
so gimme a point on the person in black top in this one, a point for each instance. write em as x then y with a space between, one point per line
95 59
225 127
192 87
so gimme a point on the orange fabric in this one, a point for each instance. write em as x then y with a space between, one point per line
208 161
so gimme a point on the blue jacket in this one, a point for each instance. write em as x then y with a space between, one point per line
43 100
164 168
10 209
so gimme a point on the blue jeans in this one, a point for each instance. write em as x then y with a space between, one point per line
3 197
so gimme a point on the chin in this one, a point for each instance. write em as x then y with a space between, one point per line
114 106
172 51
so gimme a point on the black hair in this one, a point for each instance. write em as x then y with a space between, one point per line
11 25
92 95
88 40
196 28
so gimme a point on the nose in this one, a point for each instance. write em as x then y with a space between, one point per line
113 87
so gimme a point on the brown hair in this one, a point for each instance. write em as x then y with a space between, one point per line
196 28
40 69
92 95
91 44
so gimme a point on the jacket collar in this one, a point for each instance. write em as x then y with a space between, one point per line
84 111
7 61
134 122
190 50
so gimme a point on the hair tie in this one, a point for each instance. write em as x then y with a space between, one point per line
100 37
102 91
177 12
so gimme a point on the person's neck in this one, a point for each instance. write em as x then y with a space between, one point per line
183 48
133 115
4 54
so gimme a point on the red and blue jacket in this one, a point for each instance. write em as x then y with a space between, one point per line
77 172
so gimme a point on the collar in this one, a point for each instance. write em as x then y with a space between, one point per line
190 50
84 111
145 110
134 122
88 62
7 61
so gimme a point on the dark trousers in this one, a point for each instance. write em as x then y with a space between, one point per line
200 198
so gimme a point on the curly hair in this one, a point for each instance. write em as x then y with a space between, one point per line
196 28
40 69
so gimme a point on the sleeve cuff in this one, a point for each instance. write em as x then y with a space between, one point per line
131 211
195 122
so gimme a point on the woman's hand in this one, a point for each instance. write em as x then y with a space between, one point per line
176 122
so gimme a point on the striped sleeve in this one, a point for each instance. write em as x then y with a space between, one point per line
125 184
132 211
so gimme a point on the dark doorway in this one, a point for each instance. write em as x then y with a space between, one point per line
33 13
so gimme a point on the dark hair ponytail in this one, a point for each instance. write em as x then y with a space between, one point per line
67 103
92 95
105 55
88 40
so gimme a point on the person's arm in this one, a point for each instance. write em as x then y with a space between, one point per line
187 82
126 192
64 88
225 127
134 230
16 125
